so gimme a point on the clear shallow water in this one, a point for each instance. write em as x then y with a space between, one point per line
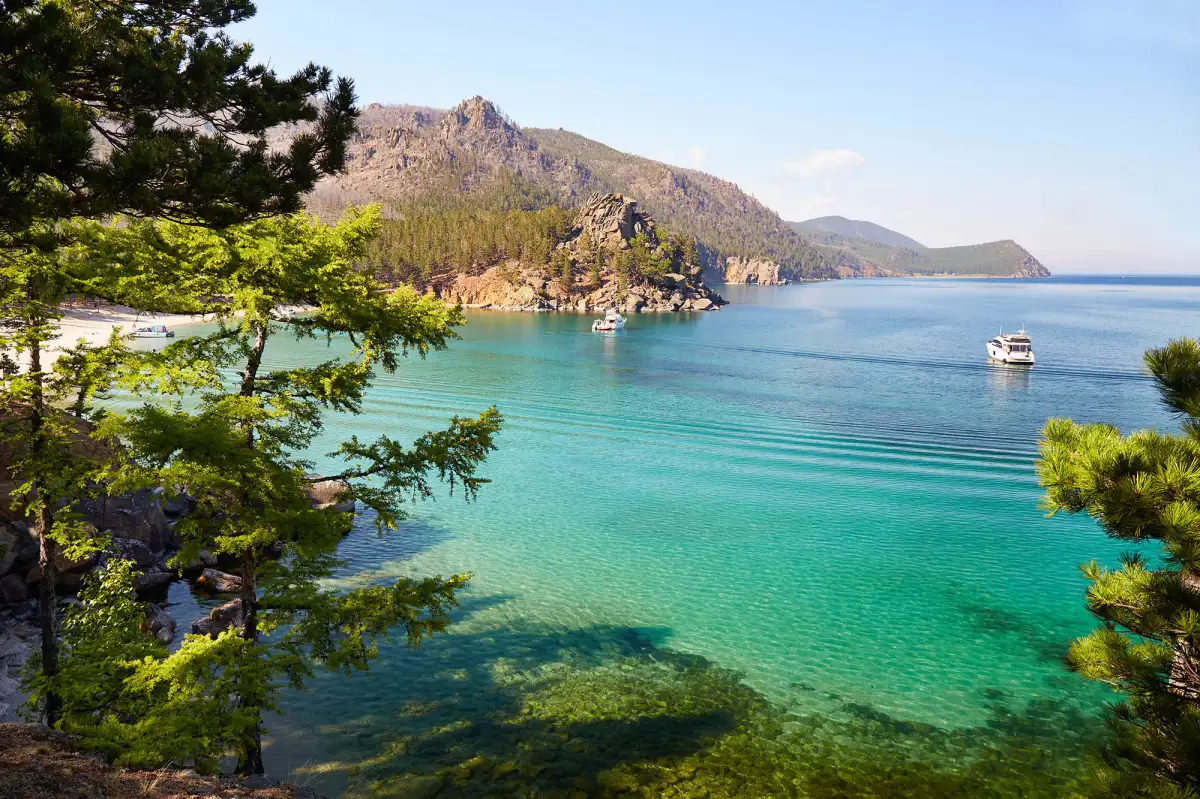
804 528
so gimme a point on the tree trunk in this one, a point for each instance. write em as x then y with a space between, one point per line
48 613
250 759
42 524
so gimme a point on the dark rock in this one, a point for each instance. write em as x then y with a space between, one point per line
13 589
158 622
134 550
138 516
178 505
219 581
152 579
220 619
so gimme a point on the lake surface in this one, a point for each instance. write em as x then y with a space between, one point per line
792 547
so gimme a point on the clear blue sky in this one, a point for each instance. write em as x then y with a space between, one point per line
1072 126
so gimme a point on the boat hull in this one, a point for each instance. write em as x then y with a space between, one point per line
1020 358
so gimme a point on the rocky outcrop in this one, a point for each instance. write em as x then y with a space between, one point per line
611 220
607 224
762 271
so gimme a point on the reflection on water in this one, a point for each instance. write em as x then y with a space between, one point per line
1008 376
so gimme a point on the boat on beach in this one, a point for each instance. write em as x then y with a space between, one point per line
1015 348
153 331
611 321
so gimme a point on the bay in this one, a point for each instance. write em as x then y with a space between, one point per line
790 548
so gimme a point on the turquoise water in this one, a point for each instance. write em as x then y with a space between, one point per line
805 527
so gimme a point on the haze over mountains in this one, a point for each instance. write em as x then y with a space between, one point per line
889 251
474 156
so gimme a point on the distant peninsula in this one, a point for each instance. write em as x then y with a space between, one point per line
472 159
890 253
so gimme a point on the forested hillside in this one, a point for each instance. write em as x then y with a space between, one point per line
474 157
873 245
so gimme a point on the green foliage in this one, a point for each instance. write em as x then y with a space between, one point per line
237 446
125 697
74 75
717 213
423 245
1143 488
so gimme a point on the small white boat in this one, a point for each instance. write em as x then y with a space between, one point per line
153 331
1011 348
611 321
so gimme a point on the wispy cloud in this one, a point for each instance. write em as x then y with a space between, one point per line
1173 23
696 156
824 162
816 202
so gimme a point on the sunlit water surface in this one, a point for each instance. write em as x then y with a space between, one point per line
790 547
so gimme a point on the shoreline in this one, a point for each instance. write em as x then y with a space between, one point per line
95 324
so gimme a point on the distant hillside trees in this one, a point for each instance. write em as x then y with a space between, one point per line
425 244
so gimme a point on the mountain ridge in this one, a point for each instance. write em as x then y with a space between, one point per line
473 153
857 229
1002 258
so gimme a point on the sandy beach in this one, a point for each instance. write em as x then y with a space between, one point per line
95 324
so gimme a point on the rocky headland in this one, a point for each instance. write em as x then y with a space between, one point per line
611 225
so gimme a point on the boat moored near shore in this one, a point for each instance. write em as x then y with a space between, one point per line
611 321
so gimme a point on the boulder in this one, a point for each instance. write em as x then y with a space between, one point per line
10 549
158 622
328 494
178 505
152 579
218 581
13 589
702 304
132 549
138 516
220 619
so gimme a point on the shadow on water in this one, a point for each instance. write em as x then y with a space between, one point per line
525 710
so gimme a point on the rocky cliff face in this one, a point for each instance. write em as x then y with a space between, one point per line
754 270
610 222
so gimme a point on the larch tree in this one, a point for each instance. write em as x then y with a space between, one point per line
1144 489
146 109
237 446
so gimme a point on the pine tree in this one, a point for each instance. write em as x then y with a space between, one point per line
143 108
239 454
178 109
1143 488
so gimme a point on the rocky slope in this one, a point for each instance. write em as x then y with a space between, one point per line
409 154
406 154
610 222
890 253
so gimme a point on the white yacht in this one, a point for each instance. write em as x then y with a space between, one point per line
611 321
1011 348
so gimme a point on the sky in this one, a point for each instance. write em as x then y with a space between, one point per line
1071 126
